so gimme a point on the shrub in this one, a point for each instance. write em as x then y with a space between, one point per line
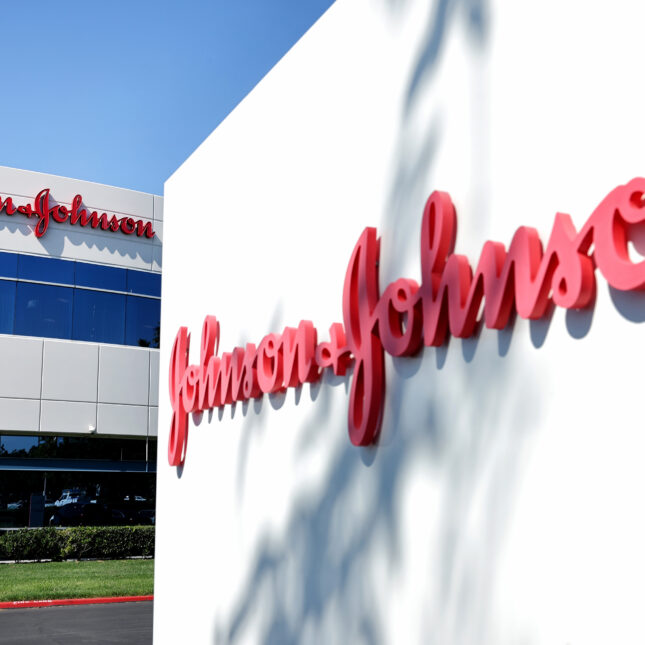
26 544
109 543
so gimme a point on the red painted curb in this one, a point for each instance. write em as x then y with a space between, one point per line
15 604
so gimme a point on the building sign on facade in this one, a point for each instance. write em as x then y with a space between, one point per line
524 279
45 209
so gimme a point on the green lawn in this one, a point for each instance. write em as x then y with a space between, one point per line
49 580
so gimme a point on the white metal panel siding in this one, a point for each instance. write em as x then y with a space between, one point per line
124 374
70 373
70 370
65 417
153 418
95 196
153 390
20 415
21 360
122 420
158 208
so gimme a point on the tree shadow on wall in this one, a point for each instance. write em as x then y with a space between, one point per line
316 582
325 577
474 14
319 581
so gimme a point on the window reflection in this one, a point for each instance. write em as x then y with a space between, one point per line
142 321
63 447
8 265
143 282
98 316
100 277
82 274
34 267
17 445
7 306
31 309
43 310
111 498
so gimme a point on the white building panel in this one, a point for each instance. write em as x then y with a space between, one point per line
124 374
153 416
95 196
70 371
156 258
118 251
73 243
158 208
153 393
20 415
21 360
67 417
122 420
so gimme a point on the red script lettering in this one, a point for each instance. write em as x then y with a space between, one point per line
75 214
524 278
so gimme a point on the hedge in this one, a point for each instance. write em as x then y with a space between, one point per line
102 542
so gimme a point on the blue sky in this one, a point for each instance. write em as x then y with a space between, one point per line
122 92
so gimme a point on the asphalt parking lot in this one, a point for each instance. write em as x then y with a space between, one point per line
128 622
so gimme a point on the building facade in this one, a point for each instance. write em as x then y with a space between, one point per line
80 288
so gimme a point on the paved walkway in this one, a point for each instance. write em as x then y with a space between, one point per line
129 622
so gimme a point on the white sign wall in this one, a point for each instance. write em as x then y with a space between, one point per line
502 503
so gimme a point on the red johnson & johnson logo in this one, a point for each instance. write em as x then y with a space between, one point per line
406 315
75 214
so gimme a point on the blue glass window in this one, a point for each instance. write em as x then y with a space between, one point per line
31 267
101 277
17 445
143 282
7 305
78 312
8 265
142 317
98 316
43 310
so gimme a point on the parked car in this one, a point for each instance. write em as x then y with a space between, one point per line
72 496
85 514
147 516
134 498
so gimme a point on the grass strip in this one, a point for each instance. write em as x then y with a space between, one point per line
50 580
